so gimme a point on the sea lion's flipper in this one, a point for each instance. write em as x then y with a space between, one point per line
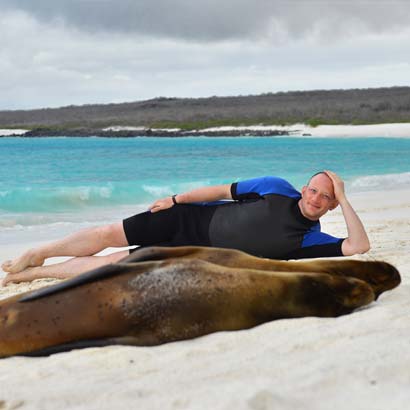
102 272
84 344
66 347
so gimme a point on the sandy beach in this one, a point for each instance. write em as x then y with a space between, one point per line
396 130
362 359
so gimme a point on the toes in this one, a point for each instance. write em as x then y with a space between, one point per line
6 265
11 278
5 281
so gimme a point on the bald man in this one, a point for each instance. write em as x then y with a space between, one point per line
265 217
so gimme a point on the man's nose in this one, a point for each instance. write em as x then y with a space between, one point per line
317 197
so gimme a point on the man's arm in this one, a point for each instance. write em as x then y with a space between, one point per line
205 194
357 240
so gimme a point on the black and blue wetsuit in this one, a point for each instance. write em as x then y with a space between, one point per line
264 220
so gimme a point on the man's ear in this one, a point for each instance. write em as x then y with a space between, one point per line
304 188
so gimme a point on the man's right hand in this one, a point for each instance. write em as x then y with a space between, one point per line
161 204
338 185
204 194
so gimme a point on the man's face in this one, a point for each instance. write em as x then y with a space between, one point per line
318 197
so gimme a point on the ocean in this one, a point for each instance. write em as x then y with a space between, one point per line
52 186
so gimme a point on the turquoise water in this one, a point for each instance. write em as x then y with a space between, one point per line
42 177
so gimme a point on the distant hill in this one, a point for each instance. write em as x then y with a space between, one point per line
356 106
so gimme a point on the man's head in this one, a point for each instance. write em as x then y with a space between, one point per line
317 197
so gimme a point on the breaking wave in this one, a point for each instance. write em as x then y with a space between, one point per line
381 182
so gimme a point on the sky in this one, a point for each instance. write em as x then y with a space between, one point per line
71 52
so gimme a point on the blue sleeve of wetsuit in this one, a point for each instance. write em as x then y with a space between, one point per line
317 244
257 187
313 238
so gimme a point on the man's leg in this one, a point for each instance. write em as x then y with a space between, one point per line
64 270
83 243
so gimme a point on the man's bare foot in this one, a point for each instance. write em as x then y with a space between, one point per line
28 259
26 275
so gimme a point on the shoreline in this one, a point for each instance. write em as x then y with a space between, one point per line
387 130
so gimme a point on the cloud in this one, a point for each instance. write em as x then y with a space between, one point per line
221 20
59 54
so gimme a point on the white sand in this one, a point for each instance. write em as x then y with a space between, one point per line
376 130
6 132
401 130
358 361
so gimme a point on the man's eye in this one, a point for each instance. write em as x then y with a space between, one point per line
313 190
327 197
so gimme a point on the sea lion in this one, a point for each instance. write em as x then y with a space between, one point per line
162 295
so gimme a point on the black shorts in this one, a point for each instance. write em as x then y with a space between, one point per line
180 225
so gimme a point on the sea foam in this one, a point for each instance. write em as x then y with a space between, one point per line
381 182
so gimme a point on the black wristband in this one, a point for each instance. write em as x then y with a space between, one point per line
174 200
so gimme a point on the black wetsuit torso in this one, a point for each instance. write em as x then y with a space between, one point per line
264 220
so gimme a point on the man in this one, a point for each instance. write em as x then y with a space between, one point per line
267 218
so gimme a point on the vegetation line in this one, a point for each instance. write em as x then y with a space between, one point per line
321 107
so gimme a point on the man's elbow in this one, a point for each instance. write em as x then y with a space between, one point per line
364 248
349 249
